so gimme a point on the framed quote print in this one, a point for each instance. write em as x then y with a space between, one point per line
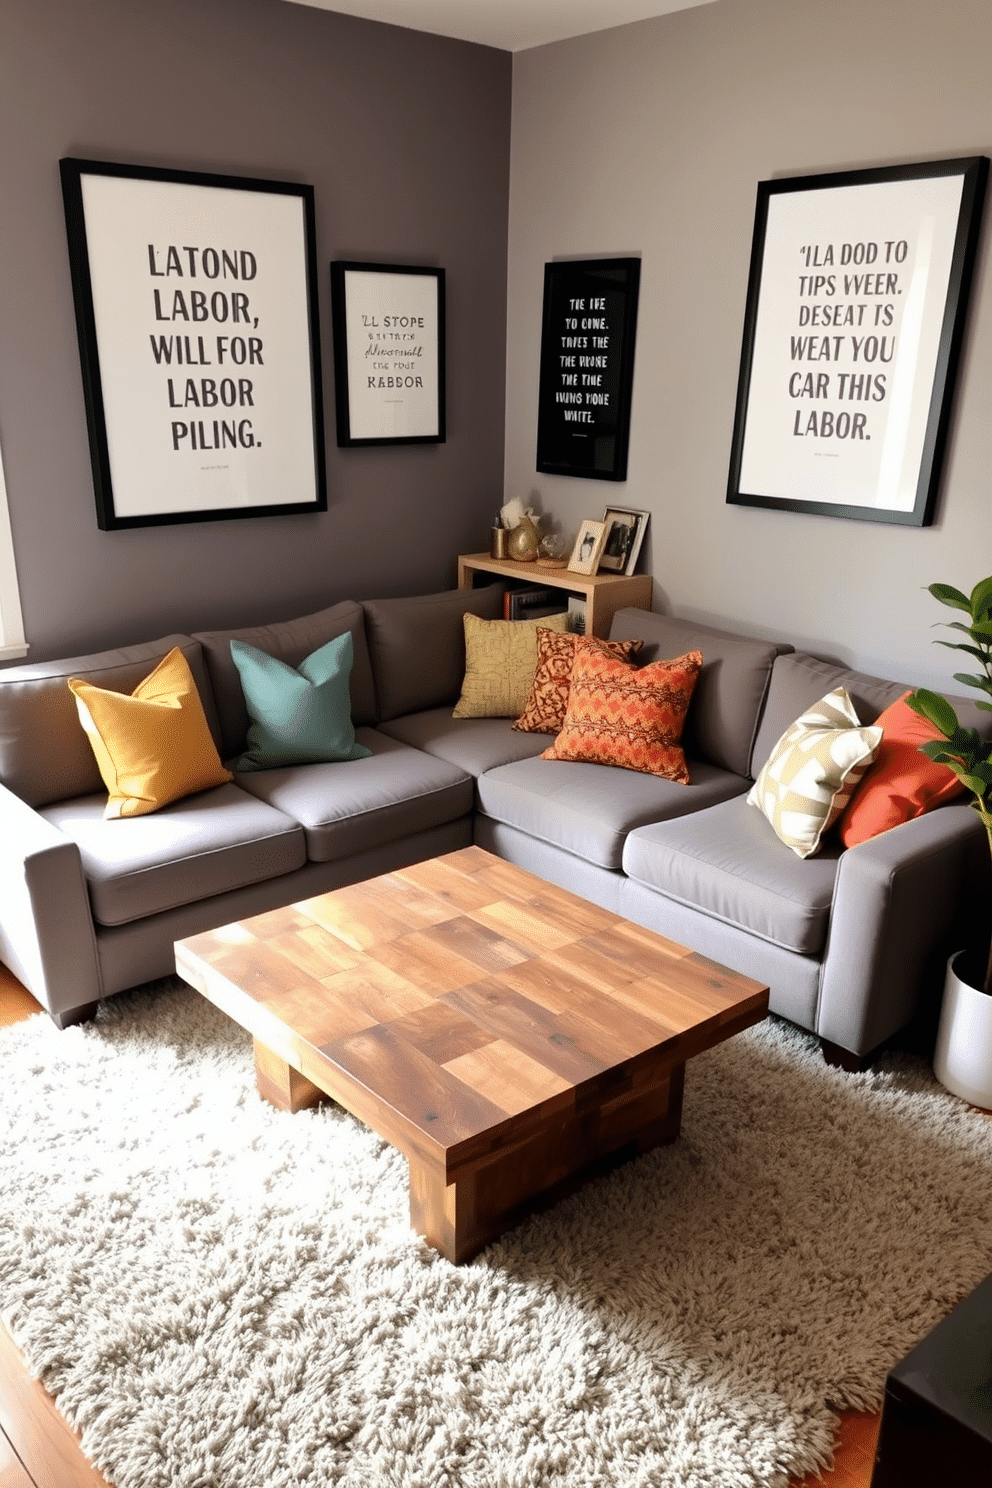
587 366
855 314
196 314
388 353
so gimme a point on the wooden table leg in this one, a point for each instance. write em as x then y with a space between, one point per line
459 1217
282 1085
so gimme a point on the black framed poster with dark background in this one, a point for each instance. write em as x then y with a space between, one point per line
196 311
388 353
587 367
855 314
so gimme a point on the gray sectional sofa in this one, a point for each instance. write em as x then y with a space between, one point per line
848 941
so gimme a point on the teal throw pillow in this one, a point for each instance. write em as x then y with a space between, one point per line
299 715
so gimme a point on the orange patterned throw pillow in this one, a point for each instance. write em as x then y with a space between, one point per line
548 700
619 714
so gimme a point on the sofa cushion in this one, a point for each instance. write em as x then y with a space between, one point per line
813 771
207 844
622 714
289 641
153 745
726 704
725 862
44 754
500 663
589 809
358 805
299 715
473 744
418 646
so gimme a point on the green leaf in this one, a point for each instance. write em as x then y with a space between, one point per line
979 628
960 646
936 751
934 708
973 782
985 707
969 739
948 595
981 598
984 684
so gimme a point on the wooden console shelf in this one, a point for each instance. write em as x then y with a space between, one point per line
604 594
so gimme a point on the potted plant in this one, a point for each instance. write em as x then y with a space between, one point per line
963 1053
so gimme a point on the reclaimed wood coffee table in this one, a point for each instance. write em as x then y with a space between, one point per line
509 1038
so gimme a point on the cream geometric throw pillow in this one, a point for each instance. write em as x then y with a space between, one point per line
813 770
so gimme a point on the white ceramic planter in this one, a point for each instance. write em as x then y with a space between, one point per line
962 1059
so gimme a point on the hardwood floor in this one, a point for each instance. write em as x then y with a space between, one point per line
38 1449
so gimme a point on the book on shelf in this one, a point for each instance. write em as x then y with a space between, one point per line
577 614
533 601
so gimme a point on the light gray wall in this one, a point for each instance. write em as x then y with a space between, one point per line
405 138
650 140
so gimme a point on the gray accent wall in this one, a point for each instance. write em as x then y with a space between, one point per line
650 140
404 137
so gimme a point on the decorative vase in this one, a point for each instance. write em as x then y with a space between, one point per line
962 1058
523 541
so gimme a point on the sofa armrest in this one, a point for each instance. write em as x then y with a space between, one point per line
898 900
46 928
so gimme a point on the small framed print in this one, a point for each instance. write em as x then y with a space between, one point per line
388 353
625 529
588 547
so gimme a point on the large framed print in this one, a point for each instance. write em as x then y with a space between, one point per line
196 312
855 314
587 367
388 353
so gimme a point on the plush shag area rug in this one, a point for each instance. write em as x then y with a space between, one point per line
220 1295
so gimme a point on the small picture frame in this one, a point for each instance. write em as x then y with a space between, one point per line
588 547
625 528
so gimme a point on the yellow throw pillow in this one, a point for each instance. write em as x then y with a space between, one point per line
500 662
153 746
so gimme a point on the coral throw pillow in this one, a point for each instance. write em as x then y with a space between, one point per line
548 701
619 714
902 783
153 746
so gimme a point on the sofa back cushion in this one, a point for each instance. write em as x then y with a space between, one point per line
289 641
44 754
726 704
418 646
800 680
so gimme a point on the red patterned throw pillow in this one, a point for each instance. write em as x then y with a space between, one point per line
548 700
620 714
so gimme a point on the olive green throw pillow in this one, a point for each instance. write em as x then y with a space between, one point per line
500 662
299 715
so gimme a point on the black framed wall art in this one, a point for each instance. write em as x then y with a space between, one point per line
388 353
196 312
587 367
855 314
